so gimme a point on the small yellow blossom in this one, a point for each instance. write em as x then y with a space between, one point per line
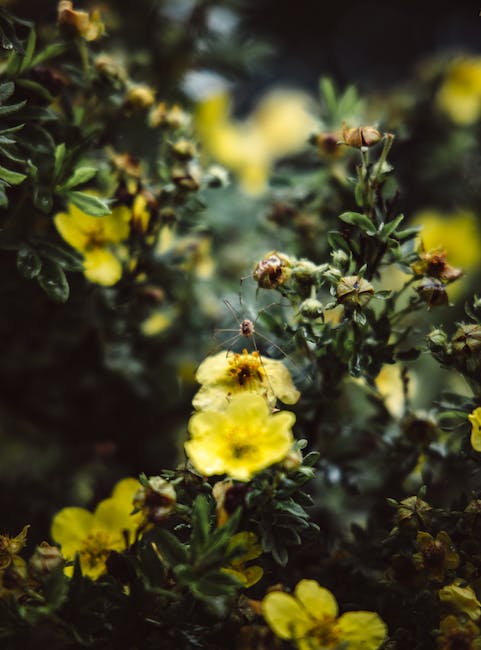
88 26
475 419
94 535
240 441
310 618
278 126
463 599
226 374
98 239
460 94
247 575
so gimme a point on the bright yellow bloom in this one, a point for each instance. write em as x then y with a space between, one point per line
240 441
94 535
278 126
309 618
226 374
460 94
463 599
247 575
98 239
475 419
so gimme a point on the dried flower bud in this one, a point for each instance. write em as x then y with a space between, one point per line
354 292
184 149
361 136
88 26
272 271
110 67
45 560
174 117
139 97
467 339
433 292
187 177
156 500
434 264
412 508
311 308
11 546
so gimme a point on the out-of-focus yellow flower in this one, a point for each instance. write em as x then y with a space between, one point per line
310 618
475 419
225 374
240 441
460 93
158 322
94 535
247 575
139 97
463 599
390 385
88 26
279 125
98 239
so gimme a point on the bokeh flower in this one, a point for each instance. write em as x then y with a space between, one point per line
241 440
98 239
309 617
225 374
93 535
279 125
460 93
475 419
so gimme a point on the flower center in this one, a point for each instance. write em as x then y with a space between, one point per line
246 369
240 442
96 548
95 237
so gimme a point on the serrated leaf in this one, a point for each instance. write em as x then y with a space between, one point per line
11 177
89 204
80 175
28 262
360 220
53 281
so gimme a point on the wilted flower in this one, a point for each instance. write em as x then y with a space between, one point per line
228 497
93 536
434 264
361 136
436 556
98 239
240 441
225 374
273 270
467 339
433 292
139 97
88 26
10 547
310 618
156 499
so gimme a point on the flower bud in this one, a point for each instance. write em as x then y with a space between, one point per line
187 177
156 499
339 257
45 560
361 136
293 460
139 97
305 271
184 149
437 340
433 292
311 308
272 271
354 292
467 339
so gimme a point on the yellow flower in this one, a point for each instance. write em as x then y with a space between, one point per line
460 94
226 374
463 599
88 26
98 239
279 125
309 618
240 441
390 385
94 535
475 419
247 575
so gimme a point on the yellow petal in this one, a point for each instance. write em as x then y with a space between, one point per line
281 381
113 516
475 419
70 231
70 527
362 630
211 398
461 598
248 407
204 458
213 369
116 225
125 489
102 267
318 601
285 616
207 423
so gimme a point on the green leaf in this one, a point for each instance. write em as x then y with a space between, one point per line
11 177
29 51
89 204
51 51
67 259
35 87
53 281
59 158
6 90
360 220
80 175
11 108
170 548
328 94
336 240
200 524
390 227
28 262
215 583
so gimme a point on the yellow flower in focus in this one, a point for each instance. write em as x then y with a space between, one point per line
247 575
279 125
94 535
310 618
475 419
240 441
460 94
98 239
226 374
463 599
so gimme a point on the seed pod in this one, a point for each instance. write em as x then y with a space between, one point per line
361 136
433 292
467 339
354 292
